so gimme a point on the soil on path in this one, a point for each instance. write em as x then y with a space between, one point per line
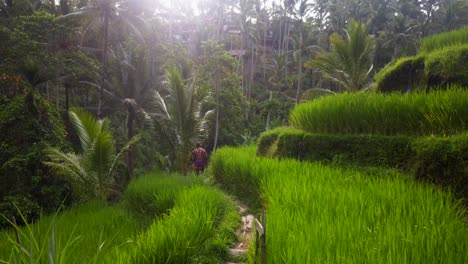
244 234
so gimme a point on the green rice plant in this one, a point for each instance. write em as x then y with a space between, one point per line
229 169
447 65
83 234
196 230
442 40
404 74
154 194
441 112
320 214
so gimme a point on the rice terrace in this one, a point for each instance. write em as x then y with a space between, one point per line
233 131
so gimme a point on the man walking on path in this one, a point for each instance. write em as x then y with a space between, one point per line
199 158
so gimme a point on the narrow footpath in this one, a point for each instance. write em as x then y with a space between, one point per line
244 235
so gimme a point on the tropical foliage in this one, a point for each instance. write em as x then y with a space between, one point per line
181 115
350 61
91 169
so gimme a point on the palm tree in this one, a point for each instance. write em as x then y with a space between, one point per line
349 63
90 170
98 15
277 81
301 12
181 115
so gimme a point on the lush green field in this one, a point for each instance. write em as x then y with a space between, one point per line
441 112
196 231
319 214
440 41
83 234
163 218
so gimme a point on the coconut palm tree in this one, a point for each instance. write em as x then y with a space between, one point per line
91 169
302 11
98 16
349 63
181 116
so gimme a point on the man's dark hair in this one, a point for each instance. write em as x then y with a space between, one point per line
198 144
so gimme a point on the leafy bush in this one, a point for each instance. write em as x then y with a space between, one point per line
154 194
90 171
437 112
439 41
191 233
29 124
346 216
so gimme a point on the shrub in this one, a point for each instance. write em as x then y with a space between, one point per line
437 112
29 124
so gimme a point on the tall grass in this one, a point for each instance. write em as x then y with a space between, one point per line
196 230
186 221
440 112
154 194
83 234
442 40
319 214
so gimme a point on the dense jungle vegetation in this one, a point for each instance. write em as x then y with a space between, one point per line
358 110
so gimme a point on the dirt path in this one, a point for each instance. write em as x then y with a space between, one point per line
244 235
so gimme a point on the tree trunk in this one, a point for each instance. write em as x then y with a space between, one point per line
241 57
252 71
268 115
264 47
215 144
104 64
130 120
64 7
299 70
280 39
67 97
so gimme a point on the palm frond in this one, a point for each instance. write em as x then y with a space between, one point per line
86 127
68 164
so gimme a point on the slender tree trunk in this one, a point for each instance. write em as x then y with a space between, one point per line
130 120
286 48
280 37
269 113
67 97
242 61
64 7
264 46
299 70
104 64
215 144
252 71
